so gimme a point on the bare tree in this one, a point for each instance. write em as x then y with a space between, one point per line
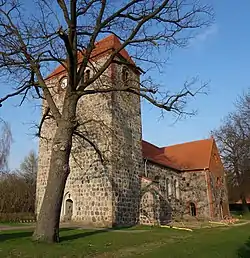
18 188
5 143
233 139
57 33
28 169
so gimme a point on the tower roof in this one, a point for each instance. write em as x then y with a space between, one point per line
186 156
105 45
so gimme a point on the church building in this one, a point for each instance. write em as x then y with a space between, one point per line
116 178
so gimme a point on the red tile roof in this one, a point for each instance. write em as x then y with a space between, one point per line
105 45
156 155
184 157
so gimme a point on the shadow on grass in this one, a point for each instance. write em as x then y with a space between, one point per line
244 251
82 235
10 235
90 233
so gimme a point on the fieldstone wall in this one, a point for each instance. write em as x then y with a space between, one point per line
127 149
219 196
175 191
194 189
163 183
103 189
149 203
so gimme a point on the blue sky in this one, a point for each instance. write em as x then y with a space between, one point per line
219 54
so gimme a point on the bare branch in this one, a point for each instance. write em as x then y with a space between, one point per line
92 144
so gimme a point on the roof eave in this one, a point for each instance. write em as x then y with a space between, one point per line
161 164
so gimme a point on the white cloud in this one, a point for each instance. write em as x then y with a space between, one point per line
205 35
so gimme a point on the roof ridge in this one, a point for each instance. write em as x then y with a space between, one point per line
207 139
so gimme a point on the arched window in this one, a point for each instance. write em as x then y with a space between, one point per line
168 187
175 189
63 82
87 75
192 209
157 179
125 75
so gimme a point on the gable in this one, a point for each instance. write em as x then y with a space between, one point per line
102 47
215 164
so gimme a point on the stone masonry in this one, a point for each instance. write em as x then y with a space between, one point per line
100 194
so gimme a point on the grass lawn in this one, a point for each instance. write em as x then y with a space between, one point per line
226 242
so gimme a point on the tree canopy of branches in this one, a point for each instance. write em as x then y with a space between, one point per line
18 188
55 32
233 139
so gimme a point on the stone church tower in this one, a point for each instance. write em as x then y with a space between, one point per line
103 186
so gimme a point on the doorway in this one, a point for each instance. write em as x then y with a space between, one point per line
68 209
192 209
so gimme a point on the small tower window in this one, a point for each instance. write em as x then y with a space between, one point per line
125 75
192 209
63 82
87 75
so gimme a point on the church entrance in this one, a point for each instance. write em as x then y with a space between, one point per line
68 209
192 209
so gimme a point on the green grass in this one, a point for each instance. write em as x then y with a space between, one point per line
245 216
225 242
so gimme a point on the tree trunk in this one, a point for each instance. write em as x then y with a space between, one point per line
244 203
47 226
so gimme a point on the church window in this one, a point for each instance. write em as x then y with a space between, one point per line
157 179
168 189
125 75
63 82
218 181
176 189
87 75
192 209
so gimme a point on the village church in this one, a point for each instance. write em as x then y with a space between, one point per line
116 178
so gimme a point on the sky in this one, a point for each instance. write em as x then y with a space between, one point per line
219 55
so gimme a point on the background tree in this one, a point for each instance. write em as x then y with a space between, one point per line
57 32
5 143
233 138
18 188
28 169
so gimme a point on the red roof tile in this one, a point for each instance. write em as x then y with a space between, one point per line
156 154
185 156
109 43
